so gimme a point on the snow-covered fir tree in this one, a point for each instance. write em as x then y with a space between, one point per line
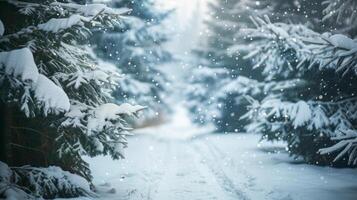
223 47
317 120
212 55
274 52
202 97
135 46
55 99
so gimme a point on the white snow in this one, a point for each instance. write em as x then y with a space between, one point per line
14 193
93 9
220 166
347 143
54 177
346 135
75 116
106 113
65 177
111 111
301 112
57 24
19 63
343 41
128 109
54 99
319 119
11 193
2 28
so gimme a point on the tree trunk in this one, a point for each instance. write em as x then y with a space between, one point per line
6 120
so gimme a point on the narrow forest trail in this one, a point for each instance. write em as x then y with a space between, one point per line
176 169
179 161
160 165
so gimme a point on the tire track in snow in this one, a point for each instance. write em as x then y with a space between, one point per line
249 180
242 178
195 169
188 178
214 164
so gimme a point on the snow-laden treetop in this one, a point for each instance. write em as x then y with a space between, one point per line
46 68
20 63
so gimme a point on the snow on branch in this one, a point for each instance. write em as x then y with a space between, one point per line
93 9
108 118
245 86
19 63
84 13
311 114
278 47
285 49
42 182
288 51
298 113
72 15
337 52
85 10
110 115
347 144
54 25
333 120
51 96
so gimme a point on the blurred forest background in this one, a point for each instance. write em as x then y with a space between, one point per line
77 75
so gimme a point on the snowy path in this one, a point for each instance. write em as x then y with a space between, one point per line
217 167
180 161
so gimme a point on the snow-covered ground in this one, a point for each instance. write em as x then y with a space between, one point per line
163 166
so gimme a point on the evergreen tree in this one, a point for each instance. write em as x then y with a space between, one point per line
212 55
291 69
54 91
226 47
203 99
320 114
135 47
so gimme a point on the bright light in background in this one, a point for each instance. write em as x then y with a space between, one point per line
185 9
184 26
185 23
